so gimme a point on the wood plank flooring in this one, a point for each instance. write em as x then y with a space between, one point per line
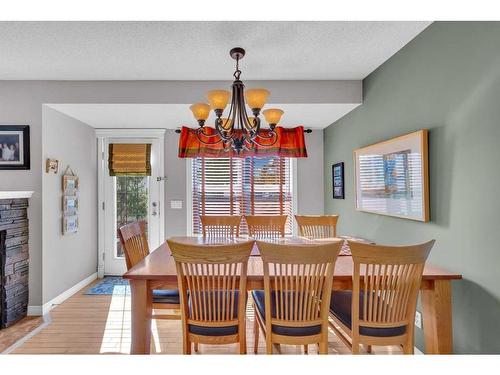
9 336
101 325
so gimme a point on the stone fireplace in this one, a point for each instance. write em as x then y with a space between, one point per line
14 259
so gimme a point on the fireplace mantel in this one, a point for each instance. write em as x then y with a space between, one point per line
15 194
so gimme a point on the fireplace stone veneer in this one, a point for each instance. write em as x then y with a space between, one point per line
14 260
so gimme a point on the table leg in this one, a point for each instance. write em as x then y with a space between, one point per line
437 317
141 317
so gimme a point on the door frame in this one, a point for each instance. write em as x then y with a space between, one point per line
103 136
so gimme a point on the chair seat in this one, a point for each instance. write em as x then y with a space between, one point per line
340 307
170 296
259 299
215 331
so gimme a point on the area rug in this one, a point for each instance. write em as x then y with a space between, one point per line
110 285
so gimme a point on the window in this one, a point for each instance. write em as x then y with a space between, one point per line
236 186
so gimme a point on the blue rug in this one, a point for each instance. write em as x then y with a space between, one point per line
110 285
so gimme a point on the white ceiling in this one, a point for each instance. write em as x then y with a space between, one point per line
198 50
172 116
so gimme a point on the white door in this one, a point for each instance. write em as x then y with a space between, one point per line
128 199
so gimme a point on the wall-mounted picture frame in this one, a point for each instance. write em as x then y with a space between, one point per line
70 204
52 166
338 180
14 147
70 224
392 177
70 184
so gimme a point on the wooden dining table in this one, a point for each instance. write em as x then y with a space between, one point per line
158 271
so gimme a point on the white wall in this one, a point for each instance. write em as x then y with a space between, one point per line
71 258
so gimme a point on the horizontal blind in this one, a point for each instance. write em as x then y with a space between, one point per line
236 186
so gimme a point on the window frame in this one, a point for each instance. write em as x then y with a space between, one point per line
189 197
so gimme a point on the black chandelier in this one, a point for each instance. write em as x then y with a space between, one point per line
237 131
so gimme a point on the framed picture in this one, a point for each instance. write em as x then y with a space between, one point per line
70 184
392 177
70 204
14 147
70 224
52 166
338 180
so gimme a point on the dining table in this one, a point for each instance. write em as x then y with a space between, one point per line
158 271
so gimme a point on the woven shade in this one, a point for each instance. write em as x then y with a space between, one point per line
129 159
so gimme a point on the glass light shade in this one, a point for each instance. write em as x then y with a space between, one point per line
256 98
273 115
200 111
218 99
226 123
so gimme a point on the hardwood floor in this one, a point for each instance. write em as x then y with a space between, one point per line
101 325
9 336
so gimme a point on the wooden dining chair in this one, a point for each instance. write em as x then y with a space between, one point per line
135 246
316 227
220 226
212 284
293 307
380 310
266 226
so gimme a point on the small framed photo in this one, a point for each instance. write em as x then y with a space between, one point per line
14 147
70 204
52 166
70 184
338 180
70 224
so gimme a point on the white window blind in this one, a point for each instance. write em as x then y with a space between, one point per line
235 186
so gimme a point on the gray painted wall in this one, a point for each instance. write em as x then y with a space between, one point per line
71 258
21 103
446 80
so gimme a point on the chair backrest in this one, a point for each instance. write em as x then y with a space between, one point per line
386 282
266 226
298 279
215 278
317 226
220 226
134 242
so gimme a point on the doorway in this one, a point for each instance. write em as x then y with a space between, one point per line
127 198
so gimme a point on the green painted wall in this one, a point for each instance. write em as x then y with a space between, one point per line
447 80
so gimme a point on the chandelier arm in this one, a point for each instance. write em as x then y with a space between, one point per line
255 141
205 142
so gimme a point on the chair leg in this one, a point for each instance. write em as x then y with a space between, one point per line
196 347
369 349
306 349
323 347
243 342
408 349
269 344
255 335
186 347
355 346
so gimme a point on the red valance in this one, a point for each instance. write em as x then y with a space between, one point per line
290 144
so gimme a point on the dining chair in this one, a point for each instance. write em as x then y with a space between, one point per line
293 307
221 226
134 243
270 226
380 310
316 227
212 284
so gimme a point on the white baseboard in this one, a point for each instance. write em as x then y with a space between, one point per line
68 293
35 310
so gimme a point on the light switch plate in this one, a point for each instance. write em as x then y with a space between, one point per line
418 319
176 205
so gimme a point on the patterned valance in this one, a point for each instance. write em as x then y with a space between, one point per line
129 159
290 144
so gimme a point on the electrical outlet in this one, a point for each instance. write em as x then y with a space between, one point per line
418 319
